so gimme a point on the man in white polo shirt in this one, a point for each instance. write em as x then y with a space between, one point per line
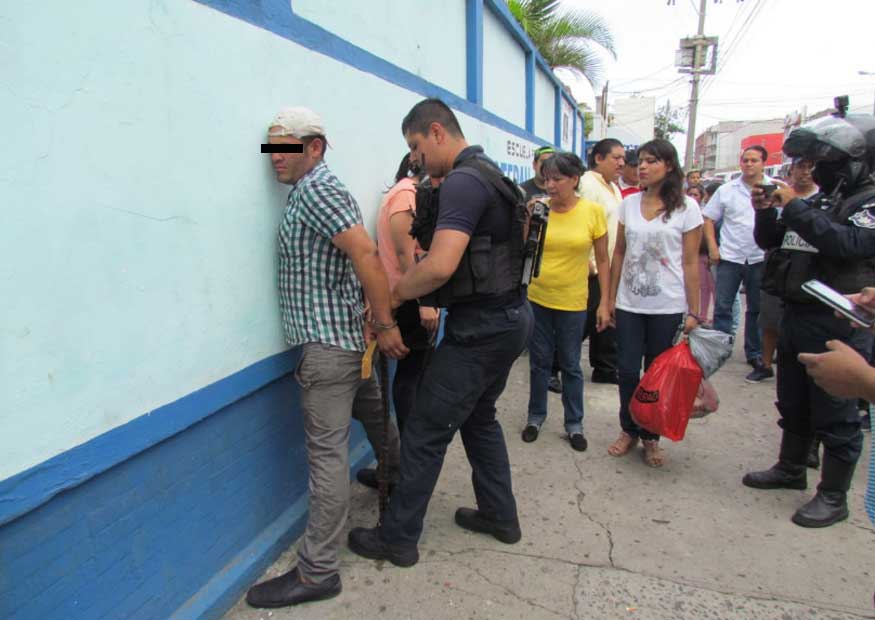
738 258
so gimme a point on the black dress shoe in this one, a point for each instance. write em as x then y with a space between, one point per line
555 384
368 478
530 433
289 589
578 442
504 531
368 544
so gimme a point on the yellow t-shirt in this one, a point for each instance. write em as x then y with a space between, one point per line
562 283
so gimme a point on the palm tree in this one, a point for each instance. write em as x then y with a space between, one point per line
566 39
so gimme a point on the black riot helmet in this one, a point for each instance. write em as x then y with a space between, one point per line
843 149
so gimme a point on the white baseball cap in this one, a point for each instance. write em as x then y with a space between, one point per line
298 122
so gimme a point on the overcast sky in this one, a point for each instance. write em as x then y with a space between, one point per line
790 53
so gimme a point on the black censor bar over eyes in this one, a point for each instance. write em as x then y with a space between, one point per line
282 148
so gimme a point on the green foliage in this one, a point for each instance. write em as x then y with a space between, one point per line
667 122
565 39
588 116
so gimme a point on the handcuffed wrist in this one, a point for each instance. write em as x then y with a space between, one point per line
382 326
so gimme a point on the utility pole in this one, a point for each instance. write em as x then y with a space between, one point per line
692 57
698 61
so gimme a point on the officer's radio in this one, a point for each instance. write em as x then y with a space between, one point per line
533 250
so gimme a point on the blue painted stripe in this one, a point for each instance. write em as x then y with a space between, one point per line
474 50
275 16
227 585
31 488
557 118
574 134
35 486
506 18
530 91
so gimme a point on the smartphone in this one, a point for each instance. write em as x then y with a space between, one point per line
768 188
835 300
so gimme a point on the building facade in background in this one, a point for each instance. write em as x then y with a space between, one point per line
630 120
719 146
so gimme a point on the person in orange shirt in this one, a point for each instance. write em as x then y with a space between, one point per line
418 324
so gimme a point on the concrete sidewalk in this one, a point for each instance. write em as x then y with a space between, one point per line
612 538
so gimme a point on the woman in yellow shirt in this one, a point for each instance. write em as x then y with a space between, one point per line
558 296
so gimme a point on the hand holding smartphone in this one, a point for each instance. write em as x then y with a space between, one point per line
841 304
768 188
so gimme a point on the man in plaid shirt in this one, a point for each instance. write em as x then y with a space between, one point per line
326 259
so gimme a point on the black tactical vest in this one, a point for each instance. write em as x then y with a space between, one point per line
795 261
487 268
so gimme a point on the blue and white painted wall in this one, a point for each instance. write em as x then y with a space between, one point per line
152 458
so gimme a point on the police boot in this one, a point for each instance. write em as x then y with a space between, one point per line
788 472
830 504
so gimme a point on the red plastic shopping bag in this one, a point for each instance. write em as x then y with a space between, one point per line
663 401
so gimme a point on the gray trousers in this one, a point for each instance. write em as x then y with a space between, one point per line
332 390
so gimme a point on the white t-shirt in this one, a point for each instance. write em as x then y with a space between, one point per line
652 278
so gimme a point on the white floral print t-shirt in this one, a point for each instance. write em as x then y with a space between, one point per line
652 278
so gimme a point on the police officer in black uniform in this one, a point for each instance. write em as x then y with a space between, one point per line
829 237
474 264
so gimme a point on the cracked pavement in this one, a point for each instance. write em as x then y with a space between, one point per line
611 538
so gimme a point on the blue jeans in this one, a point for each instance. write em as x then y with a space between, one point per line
640 336
729 277
560 331
736 305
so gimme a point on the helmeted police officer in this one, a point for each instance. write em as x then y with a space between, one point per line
829 237
474 265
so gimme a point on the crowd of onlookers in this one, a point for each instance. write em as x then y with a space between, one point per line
635 255
602 213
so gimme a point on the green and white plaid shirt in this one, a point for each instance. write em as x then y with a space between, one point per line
320 296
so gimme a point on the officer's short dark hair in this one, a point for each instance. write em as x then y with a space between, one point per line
565 164
429 111
602 148
759 149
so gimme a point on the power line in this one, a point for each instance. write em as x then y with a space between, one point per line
729 38
742 31
736 41
644 77
655 88
782 99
